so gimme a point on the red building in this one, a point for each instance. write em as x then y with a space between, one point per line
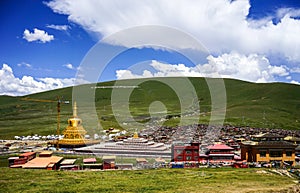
109 162
185 152
22 159
220 153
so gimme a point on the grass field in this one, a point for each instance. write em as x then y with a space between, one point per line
161 180
271 105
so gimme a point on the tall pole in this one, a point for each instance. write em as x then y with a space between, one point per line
58 118
58 121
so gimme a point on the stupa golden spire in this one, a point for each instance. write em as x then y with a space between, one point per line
75 109
136 135
74 134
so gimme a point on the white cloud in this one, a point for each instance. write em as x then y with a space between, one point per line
59 27
278 70
37 35
295 82
70 66
24 64
11 85
221 25
253 68
295 70
282 12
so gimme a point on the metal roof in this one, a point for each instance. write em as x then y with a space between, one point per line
13 158
48 153
268 135
42 162
89 160
108 157
141 160
68 166
291 138
68 162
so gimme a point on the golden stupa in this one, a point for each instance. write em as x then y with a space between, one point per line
74 134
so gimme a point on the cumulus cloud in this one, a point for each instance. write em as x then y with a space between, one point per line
59 27
295 82
282 12
11 85
37 35
69 65
128 74
253 68
221 25
278 70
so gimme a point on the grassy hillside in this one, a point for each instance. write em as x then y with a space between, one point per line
161 180
272 105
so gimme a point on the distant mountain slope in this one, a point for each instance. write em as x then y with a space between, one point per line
272 105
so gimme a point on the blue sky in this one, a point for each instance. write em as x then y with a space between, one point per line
44 42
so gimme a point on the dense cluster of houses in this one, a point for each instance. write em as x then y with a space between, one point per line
260 150
202 133
190 146
229 145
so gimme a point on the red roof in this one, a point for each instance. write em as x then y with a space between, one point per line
219 146
27 154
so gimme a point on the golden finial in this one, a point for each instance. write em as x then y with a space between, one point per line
75 109
135 135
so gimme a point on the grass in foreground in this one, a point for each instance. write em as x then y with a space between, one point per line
162 180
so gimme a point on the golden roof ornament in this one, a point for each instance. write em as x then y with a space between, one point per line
135 135
75 109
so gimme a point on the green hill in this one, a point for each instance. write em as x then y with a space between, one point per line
272 105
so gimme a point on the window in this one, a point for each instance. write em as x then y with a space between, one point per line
289 153
188 158
179 151
275 153
262 153
188 151
179 158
